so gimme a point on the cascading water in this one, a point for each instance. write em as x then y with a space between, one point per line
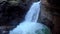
30 25
32 14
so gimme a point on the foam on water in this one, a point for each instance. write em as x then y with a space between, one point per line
27 27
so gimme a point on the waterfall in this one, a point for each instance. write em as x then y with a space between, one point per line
30 25
32 14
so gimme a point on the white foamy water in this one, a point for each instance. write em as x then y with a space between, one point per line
30 25
32 14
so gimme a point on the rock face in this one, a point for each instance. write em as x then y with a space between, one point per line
11 15
49 15
56 21
45 16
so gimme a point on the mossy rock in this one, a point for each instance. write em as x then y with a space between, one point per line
13 3
44 30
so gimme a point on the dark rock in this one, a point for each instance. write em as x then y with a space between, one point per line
11 15
50 14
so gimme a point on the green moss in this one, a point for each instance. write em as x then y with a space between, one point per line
38 32
44 30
